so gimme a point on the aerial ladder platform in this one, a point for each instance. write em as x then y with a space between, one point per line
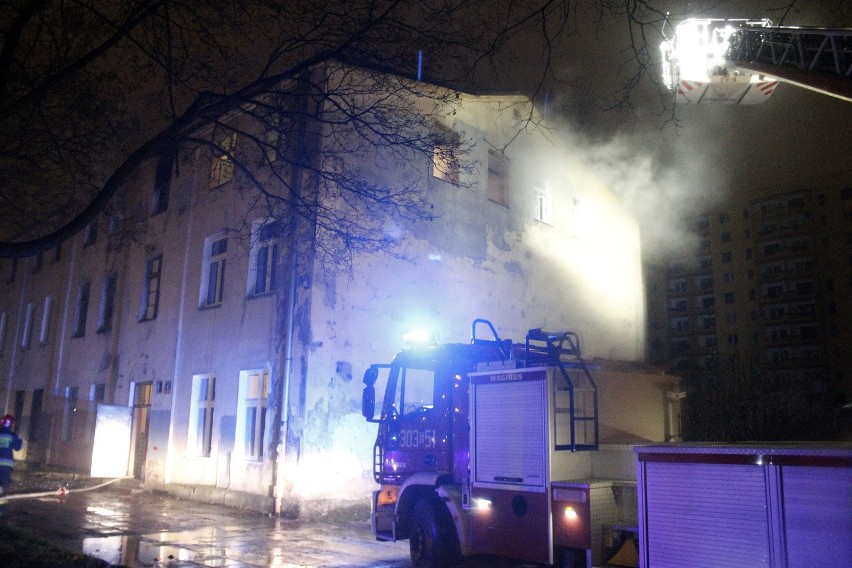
743 61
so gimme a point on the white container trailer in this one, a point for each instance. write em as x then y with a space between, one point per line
719 506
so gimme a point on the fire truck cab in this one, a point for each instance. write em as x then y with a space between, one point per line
478 445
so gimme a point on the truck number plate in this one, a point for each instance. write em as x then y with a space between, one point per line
417 439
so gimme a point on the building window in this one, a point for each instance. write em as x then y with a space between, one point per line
729 297
251 414
34 433
445 163
57 254
90 235
82 310
542 202
20 397
2 332
733 339
70 409
748 253
726 237
44 334
28 326
107 303
162 185
263 268
726 256
97 392
222 170
752 294
273 138
151 289
498 177
213 271
201 414
723 218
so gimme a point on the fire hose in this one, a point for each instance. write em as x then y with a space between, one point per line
61 492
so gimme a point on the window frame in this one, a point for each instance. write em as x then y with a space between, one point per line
150 301
212 286
69 409
267 250
499 177
222 166
162 185
542 207
251 438
47 308
200 440
106 307
81 310
445 164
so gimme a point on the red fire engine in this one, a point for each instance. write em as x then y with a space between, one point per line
482 448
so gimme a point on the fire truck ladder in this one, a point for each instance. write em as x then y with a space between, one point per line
575 402
819 59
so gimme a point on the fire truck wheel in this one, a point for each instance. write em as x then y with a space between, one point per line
432 540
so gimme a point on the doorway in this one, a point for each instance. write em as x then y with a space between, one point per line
141 410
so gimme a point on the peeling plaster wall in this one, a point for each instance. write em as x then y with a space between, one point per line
477 259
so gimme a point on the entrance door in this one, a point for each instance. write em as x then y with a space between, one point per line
141 409
111 450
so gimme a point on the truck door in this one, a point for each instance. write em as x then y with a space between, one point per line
417 438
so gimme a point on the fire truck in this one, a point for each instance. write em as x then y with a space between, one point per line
483 448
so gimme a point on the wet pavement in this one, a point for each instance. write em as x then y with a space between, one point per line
126 525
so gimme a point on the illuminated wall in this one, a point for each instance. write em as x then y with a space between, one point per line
478 258
577 268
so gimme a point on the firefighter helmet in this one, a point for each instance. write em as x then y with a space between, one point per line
7 421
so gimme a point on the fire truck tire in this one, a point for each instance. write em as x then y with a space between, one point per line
433 542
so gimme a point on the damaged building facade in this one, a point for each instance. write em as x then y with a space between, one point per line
206 359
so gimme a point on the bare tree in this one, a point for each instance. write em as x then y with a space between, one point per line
89 93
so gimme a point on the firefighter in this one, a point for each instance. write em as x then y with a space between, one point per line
9 443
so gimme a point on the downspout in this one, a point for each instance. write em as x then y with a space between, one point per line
283 410
190 213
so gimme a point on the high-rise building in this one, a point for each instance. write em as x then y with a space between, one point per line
761 297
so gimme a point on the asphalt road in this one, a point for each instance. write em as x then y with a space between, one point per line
131 527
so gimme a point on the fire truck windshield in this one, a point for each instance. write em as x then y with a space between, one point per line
407 391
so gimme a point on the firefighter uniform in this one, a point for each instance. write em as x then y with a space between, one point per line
9 444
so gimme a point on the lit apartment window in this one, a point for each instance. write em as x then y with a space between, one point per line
273 138
201 414
213 271
263 268
28 325
222 170
69 410
251 414
542 202
82 310
151 289
445 163
498 177
162 185
107 304
44 334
